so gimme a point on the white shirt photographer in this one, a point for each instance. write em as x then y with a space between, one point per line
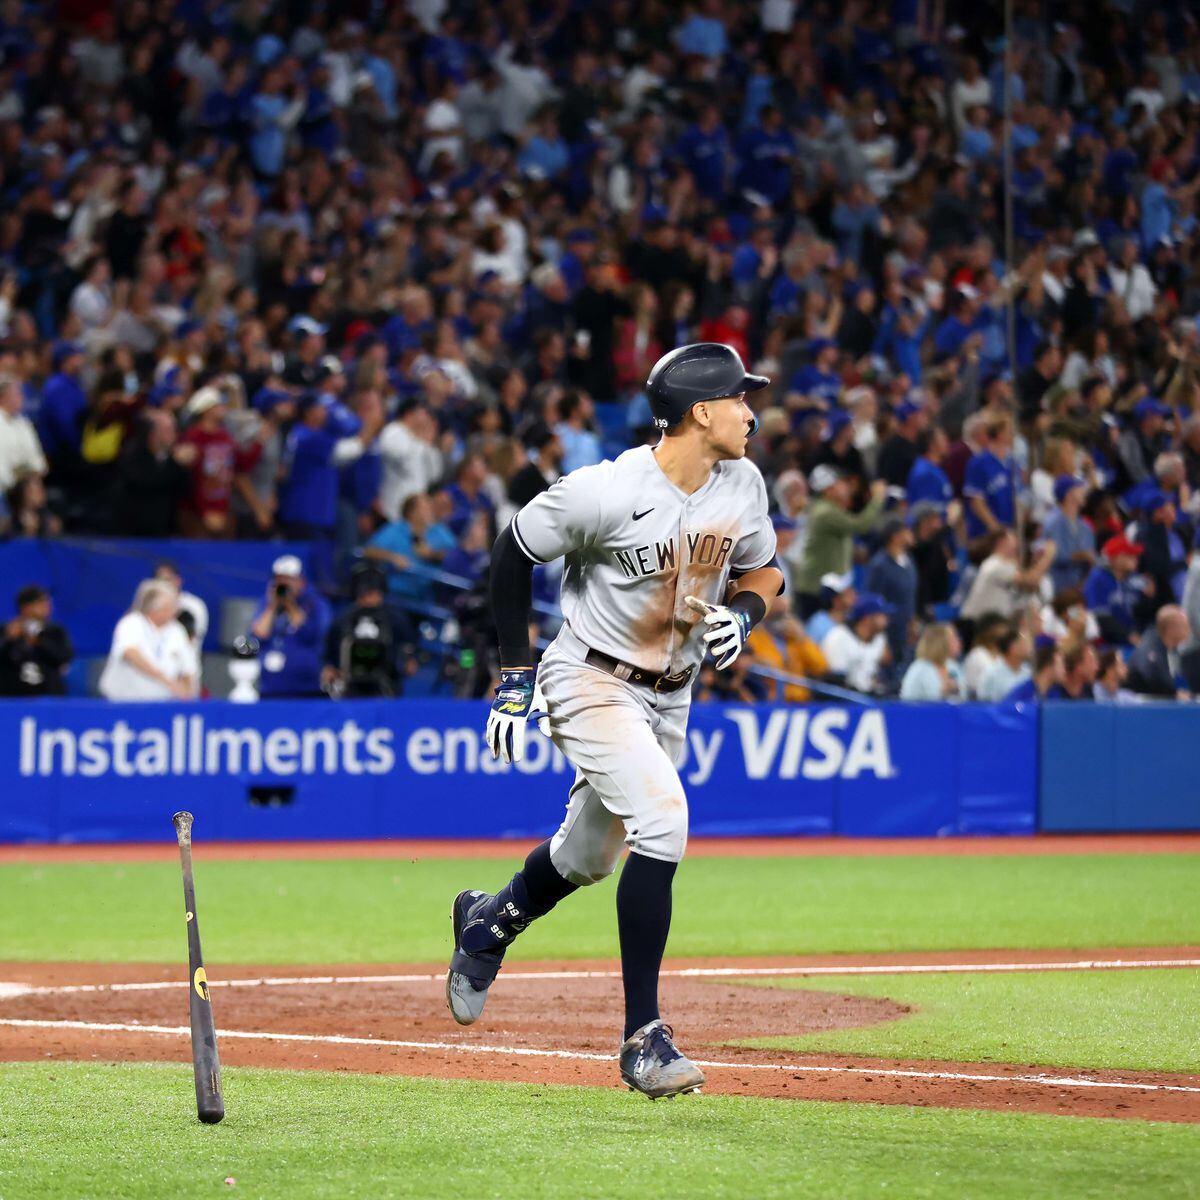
152 657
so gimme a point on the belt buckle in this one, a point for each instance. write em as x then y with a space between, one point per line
680 678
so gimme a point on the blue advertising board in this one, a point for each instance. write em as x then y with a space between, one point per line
84 770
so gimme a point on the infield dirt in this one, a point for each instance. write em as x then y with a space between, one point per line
542 1027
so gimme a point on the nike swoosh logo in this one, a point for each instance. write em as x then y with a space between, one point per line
637 516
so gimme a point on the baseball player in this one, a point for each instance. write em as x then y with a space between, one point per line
669 554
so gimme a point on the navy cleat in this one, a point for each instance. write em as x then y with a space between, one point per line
653 1065
473 969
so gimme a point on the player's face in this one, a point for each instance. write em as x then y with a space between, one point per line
730 422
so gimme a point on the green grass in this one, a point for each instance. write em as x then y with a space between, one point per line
395 911
78 1131
1133 1020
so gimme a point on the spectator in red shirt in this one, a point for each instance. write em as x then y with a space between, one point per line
205 512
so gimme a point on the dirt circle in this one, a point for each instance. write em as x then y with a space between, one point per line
547 1022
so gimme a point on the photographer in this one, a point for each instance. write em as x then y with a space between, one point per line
290 626
34 651
364 645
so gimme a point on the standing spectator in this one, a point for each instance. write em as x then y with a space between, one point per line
217 459
412 461
290 626
1001 582
935 673
990 489
1074 540
256 489
927 482
830 532
151 657
20 451
1047 668
1160 666
1079 666
892 575
899 454
581 446
543 468
35 651
781 642
410 550
155 477
1112 593
1164 558
314 454
932 554
857 650
1143 442
1009 670
63 408
468 499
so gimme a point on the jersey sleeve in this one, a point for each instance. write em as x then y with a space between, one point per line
563 518
756 548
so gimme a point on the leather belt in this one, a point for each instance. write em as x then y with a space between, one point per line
625 671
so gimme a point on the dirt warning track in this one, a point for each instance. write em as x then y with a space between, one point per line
554 1023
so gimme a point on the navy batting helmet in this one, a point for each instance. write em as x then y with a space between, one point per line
703 371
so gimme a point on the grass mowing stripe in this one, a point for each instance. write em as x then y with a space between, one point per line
290 911
1121 1020
74 1132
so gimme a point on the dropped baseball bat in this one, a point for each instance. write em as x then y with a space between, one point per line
210 1104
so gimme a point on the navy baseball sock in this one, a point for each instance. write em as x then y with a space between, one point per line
531 893
643 921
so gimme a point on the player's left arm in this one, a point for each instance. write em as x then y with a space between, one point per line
729 624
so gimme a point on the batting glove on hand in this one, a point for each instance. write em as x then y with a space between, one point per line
727 630
518 700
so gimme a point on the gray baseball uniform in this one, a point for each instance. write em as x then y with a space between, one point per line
635 546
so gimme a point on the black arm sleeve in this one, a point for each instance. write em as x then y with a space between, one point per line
511 592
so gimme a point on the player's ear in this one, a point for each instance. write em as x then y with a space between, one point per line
701 413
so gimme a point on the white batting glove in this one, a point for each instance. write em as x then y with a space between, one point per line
518 700
727 630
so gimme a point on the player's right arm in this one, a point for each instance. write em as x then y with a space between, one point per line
559 520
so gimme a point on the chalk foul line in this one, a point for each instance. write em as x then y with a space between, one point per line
13 990
1041 1080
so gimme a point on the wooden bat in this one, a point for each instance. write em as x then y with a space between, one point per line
210 1104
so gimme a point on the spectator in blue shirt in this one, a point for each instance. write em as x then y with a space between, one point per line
853 218
959 325
703 33
766 152
290 626
703 149
1111 593
1080 664
1075 543
1047 668
467 497
314 454
271 117
926 480
64 402
892 574
545 155
581 447
989 487
412 549
819 380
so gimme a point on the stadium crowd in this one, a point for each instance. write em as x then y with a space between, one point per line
372 276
